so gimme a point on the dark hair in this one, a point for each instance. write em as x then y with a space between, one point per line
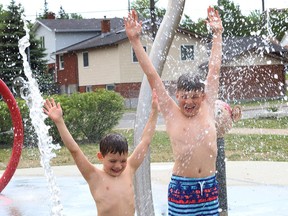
190 82
113 143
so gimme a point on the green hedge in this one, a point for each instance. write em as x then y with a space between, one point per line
88 117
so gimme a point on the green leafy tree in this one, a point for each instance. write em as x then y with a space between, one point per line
46 13
143 9
278 22
62 14
198 27
11 31
236 24
11 63
75 16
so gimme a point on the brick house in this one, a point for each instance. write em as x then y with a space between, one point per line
108 61
252 67
55 34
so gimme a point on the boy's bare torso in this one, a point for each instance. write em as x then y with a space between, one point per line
193 142
113 195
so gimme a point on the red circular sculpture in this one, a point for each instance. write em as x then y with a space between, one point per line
18 134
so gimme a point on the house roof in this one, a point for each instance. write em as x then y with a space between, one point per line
76 25
107 39
236 46
114 37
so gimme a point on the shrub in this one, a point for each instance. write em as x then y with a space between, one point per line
6 128
90 115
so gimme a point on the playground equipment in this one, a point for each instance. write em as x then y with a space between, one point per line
18 135
158 54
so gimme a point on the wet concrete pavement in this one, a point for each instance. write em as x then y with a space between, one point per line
254 189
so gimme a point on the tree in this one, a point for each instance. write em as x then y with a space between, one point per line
46 13
11 63
278 21
11 31
75 16
234 22
62 14
198 27
273 24
143 9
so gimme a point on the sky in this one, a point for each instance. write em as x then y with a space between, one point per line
118 8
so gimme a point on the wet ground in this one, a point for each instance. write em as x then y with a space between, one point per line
254 189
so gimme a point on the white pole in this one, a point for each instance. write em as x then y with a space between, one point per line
159 51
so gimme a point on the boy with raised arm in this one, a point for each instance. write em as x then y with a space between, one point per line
190 125
112 186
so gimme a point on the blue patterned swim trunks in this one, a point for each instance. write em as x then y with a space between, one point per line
193 196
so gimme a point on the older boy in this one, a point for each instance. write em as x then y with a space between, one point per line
190 125
112 186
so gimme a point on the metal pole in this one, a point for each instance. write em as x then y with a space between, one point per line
263 5
158 54
221 176
153 18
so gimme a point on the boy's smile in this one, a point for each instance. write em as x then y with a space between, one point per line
113 164
190 102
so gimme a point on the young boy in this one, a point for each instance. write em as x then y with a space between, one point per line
112 186
190 125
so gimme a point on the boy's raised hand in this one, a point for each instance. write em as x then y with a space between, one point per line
132 26
214 20
155 105
53 110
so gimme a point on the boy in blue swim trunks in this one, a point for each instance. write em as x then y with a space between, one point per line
190 125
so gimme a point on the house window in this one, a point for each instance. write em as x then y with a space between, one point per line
42 42
110 87
89 88
187 52
85 59
61 62
134 58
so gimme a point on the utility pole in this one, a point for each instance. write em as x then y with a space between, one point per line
263 5
153 18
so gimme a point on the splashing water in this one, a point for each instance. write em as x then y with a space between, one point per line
34 101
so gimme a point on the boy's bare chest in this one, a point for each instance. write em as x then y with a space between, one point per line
114 193
192 133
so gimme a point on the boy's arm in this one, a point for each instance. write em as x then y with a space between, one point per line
54 112
133 30
138 155
215 23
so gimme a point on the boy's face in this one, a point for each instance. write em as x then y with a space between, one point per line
190 102
113 163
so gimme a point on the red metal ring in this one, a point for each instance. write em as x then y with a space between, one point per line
18 134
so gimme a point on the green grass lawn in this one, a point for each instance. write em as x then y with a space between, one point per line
238 148
279 123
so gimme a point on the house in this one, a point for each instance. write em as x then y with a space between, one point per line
252 68
108 61
56 34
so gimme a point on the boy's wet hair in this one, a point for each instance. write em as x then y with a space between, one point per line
190 82
113 143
